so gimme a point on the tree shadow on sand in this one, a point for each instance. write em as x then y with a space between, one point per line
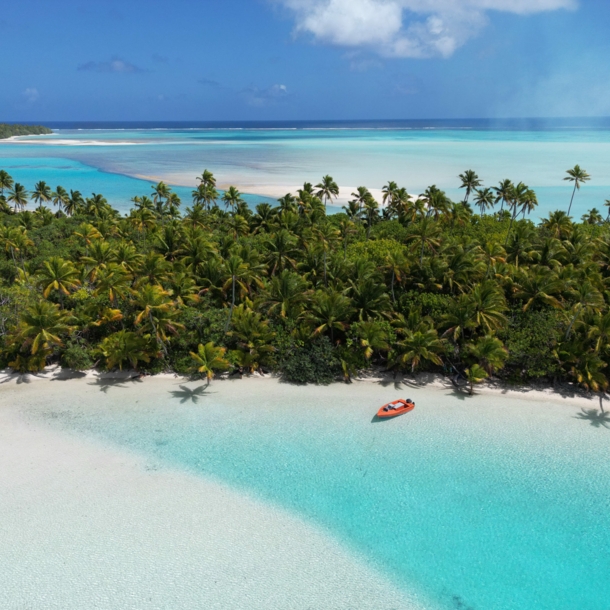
104 384
597 418
187 394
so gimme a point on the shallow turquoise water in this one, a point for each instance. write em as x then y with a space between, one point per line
415 158
487 504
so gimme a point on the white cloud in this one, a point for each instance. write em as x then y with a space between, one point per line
405 28
31 95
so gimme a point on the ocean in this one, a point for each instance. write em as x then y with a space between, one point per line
266 160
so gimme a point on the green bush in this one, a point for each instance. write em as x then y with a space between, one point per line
531 338
77 356
314 363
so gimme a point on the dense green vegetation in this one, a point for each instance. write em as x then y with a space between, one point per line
422 284
8 130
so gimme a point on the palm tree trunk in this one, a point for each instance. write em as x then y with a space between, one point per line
159 341
325 279
232 306
512 218
393 297
571 200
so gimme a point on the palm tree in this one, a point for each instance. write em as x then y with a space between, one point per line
327 236
327 189
60 275
504 192
539 286
578 176
588 299
127 346
487 304
232 198
607 205
160 192
417 346
207 179
558 224
18 196
6 181
41 327
396 263
114 280
285 295
360 197
484 198
42 193
519 194
237 270
425 234
155 312
470 182
371 209
331 311
74 204
372 337
489 352
592 217
390 194
254 339
60 197
282 249
475 374
209 359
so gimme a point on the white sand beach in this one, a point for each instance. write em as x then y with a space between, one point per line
265 189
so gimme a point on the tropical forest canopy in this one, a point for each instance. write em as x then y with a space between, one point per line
8 130
416 284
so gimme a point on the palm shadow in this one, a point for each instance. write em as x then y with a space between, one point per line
104 384
187 394
598 419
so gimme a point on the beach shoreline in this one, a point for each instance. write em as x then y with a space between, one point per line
494 387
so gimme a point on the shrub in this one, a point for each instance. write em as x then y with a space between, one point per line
77 356
314 363
531 338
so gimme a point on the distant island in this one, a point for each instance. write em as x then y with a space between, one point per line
412 283
8 130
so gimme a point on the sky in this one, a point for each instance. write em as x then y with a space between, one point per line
207 60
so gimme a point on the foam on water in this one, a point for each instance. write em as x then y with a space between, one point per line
490 504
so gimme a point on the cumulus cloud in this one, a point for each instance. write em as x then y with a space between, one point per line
116 64
405 28
254 96
30 95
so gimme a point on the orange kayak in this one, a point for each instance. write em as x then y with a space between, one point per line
397 407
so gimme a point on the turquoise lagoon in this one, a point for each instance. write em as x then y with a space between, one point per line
477 503
263 158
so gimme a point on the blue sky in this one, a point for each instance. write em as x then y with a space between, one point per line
303 59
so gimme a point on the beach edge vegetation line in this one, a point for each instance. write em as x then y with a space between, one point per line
420 284
9 130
